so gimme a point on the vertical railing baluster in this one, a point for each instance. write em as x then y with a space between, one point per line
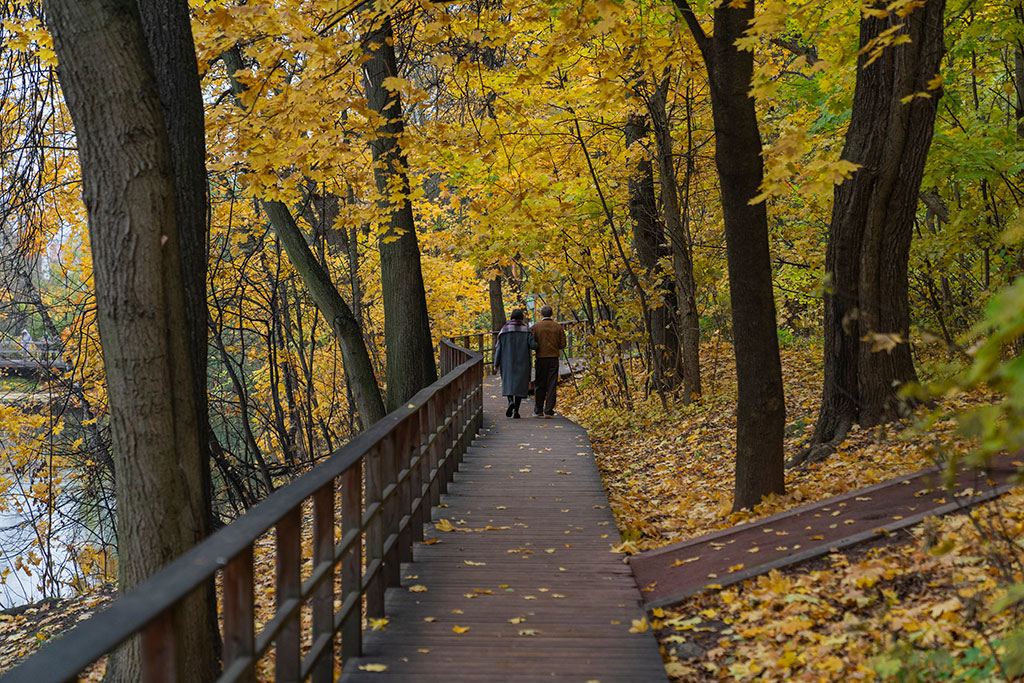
415 481
375 533
287 656
436 451
404 448
391 513
323 596
352 561
159 649
239 612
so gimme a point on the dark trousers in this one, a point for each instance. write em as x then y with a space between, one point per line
544 384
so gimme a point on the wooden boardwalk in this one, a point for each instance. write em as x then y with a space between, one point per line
526 575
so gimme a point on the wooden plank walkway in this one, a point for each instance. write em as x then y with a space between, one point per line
527 571
673 573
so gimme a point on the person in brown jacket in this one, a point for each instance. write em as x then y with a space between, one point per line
550 340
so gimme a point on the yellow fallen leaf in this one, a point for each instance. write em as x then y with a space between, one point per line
444 525
373 667
680 563
378 624
430 541
753 550
517 620
471 563
423 650
460 629
418 588
639 625
528 632
658 612
430 619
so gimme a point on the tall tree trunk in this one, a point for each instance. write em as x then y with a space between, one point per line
867 307
129 188
761 408
359 374
497 303
410 350
649 243
679 242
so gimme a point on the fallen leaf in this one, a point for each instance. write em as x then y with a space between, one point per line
460 629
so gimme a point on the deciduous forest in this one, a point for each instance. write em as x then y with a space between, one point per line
787 233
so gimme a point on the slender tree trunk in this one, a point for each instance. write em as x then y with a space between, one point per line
359 374
648 240
410 350
497 303
680 243
761 408
129 188
867 311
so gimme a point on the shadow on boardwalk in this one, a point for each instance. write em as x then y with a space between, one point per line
524 587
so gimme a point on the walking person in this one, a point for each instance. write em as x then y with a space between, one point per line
512 357
550 341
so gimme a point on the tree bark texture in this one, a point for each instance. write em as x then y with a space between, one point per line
680 243
872 225
649 243
128 178
410 350
761 409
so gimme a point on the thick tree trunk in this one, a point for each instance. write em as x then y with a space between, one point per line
761 409
649 243
410 350
680 243
128 176
867 313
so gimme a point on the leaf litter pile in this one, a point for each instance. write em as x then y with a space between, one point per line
928 604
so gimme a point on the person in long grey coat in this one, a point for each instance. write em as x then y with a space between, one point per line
512 357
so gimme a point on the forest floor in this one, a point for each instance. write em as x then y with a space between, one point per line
917 604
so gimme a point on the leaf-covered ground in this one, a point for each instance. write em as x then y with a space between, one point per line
919 604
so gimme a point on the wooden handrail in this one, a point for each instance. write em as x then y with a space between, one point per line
408 458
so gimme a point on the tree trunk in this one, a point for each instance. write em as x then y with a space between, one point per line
359 374
680 243
761 408
867 308
649 242
128 177
497 303
410 350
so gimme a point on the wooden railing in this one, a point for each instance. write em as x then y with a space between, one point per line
483 342
408 458
35 356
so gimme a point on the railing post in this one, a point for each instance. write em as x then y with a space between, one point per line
288 656
415 480
323 597
375 533
239 612
406 442
391 512
159 650
351 562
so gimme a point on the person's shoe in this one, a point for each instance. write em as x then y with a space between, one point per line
508 411
549 414
516 416
539 415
